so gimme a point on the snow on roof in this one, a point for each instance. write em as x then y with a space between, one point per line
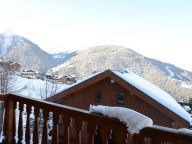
14 63
154 92
134 121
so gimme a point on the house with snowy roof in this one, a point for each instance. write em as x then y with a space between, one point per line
15 66
30 74
125 89
68 79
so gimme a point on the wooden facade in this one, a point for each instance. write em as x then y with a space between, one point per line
108 89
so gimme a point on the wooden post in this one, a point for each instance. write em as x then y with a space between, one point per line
9 120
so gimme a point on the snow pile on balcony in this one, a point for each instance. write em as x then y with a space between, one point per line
134 121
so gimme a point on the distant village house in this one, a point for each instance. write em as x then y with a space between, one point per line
10 65
15 66
67 79
30 74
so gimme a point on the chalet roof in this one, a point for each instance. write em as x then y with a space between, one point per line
145 87
14 63
154 92
29 71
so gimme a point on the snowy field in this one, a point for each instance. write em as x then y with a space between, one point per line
33 87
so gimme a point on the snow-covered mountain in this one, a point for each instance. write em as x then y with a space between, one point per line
7 40
25 52
176 81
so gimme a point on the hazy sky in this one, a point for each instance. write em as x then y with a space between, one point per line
160 29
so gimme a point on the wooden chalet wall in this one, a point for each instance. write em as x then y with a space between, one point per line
109 90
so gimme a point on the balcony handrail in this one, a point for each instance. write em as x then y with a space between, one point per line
171 130
82 115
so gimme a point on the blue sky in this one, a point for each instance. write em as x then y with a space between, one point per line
157 29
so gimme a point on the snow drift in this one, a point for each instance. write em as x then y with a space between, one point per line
134 121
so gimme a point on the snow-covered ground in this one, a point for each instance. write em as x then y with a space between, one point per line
170 72
58 67
186 85
32 87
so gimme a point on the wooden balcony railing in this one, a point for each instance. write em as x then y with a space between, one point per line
27 120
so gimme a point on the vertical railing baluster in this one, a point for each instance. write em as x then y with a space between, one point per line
127 138
72 133
36 130
84 135
97 135
61 130
55 137
112 138
121 136
28 132
105 134
147 140
91 131
1 116
78 125
66 122
20 127
5 121
45 130
14 121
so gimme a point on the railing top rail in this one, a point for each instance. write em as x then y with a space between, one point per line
171 130
73 112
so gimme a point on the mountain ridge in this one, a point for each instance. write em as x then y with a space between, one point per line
172 79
